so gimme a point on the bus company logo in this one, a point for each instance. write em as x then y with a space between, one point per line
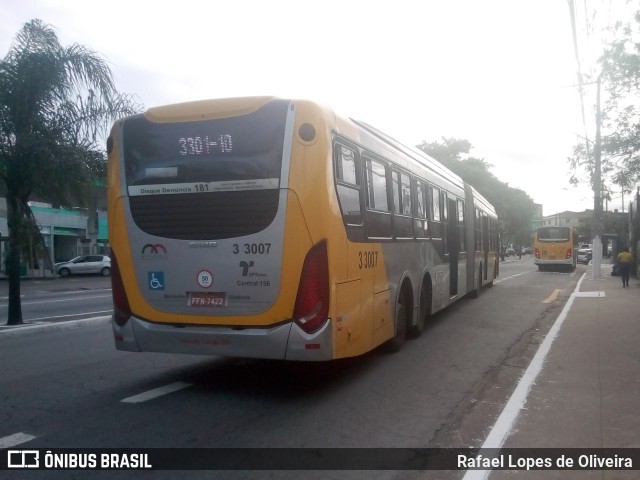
23 459
154 251
154 248
245 266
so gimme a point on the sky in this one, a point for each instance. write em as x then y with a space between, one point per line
499 73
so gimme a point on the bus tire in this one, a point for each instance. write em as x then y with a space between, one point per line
395 343
425 311
475 293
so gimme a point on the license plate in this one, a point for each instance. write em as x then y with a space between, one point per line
206 299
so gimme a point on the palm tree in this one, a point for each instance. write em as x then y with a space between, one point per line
55 103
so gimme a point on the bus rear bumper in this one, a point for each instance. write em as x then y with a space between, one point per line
568 261
283 342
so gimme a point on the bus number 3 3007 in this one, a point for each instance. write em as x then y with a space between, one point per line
252 248
368 259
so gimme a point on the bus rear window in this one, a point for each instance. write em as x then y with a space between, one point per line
554 234
234 153
206 179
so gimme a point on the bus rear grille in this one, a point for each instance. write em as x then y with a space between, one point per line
205 216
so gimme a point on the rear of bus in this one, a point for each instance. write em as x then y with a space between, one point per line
212 252
554 248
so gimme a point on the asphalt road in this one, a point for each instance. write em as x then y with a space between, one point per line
60 299
66 386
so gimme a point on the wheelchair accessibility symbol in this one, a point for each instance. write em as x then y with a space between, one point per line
155 280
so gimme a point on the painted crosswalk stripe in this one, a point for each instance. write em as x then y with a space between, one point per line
156 392
15 439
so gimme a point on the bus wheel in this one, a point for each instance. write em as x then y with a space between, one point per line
475 293
425 313
395 344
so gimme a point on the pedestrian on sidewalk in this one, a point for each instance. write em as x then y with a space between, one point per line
624 261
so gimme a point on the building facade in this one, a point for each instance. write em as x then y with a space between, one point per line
568 219
66 234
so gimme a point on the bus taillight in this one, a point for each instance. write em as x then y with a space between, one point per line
121 309
312 300
537 252
569 253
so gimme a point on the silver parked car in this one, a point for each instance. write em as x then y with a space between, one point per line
585 255
85 264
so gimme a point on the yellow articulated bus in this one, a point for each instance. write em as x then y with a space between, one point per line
554 248
271 228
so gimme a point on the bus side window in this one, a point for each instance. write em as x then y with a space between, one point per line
461 225
402 223
421 225
348 183
478 230
377 195
434 215
401 193
444 206
378 215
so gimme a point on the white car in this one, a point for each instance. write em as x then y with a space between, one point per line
85 264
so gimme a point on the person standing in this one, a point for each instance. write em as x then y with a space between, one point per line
624 261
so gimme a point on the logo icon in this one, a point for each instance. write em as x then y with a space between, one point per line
23 459
155 280
245 267
154 248
205 278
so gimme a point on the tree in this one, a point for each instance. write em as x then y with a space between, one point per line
514 207
55 102
620 78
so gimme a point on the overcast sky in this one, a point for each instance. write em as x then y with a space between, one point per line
499 73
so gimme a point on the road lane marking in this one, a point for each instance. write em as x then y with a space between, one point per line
58 293
69 315
40 302
15 330
505 422
15 439
552 297
512 276
157 392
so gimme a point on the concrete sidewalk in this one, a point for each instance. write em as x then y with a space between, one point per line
587 394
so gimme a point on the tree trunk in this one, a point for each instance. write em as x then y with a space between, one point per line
15 223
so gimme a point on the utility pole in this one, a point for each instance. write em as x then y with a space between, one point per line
597 195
